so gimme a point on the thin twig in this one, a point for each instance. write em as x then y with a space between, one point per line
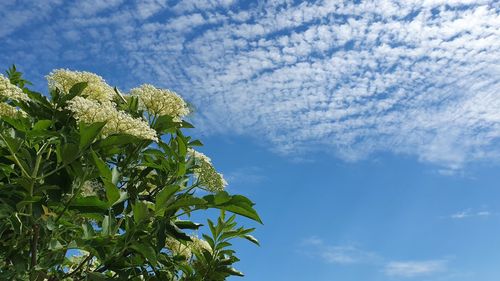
79 266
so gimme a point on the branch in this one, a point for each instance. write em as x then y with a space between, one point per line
79 267
33 248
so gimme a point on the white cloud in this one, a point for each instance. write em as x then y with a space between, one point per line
410 77
410 269
341 255
246 175
469 213
350 254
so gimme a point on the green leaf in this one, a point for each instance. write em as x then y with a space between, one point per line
116 141
176 232
195 143
161 235
187 201
115 176
55 245
88 133
238 204
107 225
163 196
234 271
147 251
76 90
28 200
112 192
221 198
102 167
182 146
88 231
13 144
42 125
96 276
182 224
90 204
140 211
246 211
186 124
69 153
164 122
252 239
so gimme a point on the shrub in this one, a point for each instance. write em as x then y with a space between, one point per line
96 185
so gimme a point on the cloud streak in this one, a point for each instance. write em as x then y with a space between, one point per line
349 255
409 269
470 214
340 254
410 77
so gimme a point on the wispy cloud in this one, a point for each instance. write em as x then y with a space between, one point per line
408 269
352 254
245 175
411 77
341 254
469 213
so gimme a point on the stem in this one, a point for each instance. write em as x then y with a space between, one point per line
16 160
33 250
79 267
60 167
71 198
34 175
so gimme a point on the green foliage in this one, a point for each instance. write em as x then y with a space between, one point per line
75 205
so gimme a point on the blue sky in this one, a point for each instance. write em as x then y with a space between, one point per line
366 131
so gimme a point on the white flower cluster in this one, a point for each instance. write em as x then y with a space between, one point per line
178 248
90 188
186 248
160 101
10 91
206 174
10 111
199 245
97 89
90 111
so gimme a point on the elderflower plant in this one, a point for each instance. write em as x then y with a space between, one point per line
97 89
10 111
90 111
10 91
160 101
206 174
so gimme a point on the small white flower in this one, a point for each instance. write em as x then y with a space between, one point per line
10 111
206 174
178 248
90 111
97 89
199 245
90 188
160 101
11 91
